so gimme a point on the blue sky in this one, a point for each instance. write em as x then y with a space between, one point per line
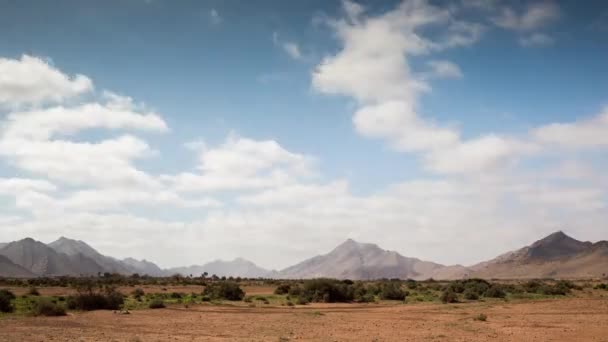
496 77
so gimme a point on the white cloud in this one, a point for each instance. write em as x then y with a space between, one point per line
14 186
590 132
215 17
43 124
444 69
486 153
397 121
534 16
242 163
536 40
31 80
292 49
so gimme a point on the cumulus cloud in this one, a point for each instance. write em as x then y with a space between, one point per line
32 80
589 132
536 40
242 163
533 16
444 69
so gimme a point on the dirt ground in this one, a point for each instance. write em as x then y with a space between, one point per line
572 319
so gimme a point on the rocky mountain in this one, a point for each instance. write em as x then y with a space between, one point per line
238 267
73 248
43 260
355 260
10 269
144 267
556 256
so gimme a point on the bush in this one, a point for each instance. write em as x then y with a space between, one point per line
449 296
224 290
327 291
138 292
33 291
176 295
89 300
282 289
495 291
471 294
6 297
601 287
45 307
481 317
157 303
295 291
392 290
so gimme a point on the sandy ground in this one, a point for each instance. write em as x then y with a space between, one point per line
573 319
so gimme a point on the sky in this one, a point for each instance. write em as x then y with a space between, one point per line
184 132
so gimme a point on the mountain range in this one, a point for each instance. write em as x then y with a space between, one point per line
555 256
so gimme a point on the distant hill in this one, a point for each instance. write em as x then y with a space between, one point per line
72 247
10 269
238 267
143 267
355 260
556 256
43 260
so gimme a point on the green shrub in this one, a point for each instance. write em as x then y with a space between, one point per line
138 292
33 291
295 291
471 294
6 297
205 299
45 307
282 289
495 291
327 291
157 303
449 296
392 290
224 290
89 300
601 287
176 295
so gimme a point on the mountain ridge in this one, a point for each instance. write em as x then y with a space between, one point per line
557 256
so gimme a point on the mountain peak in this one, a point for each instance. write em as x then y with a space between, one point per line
556 245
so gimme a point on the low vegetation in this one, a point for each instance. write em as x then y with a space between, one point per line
227 290
47 307
90 298
100 293
157 303
6 298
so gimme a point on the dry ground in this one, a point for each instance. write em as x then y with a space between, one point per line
571 319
